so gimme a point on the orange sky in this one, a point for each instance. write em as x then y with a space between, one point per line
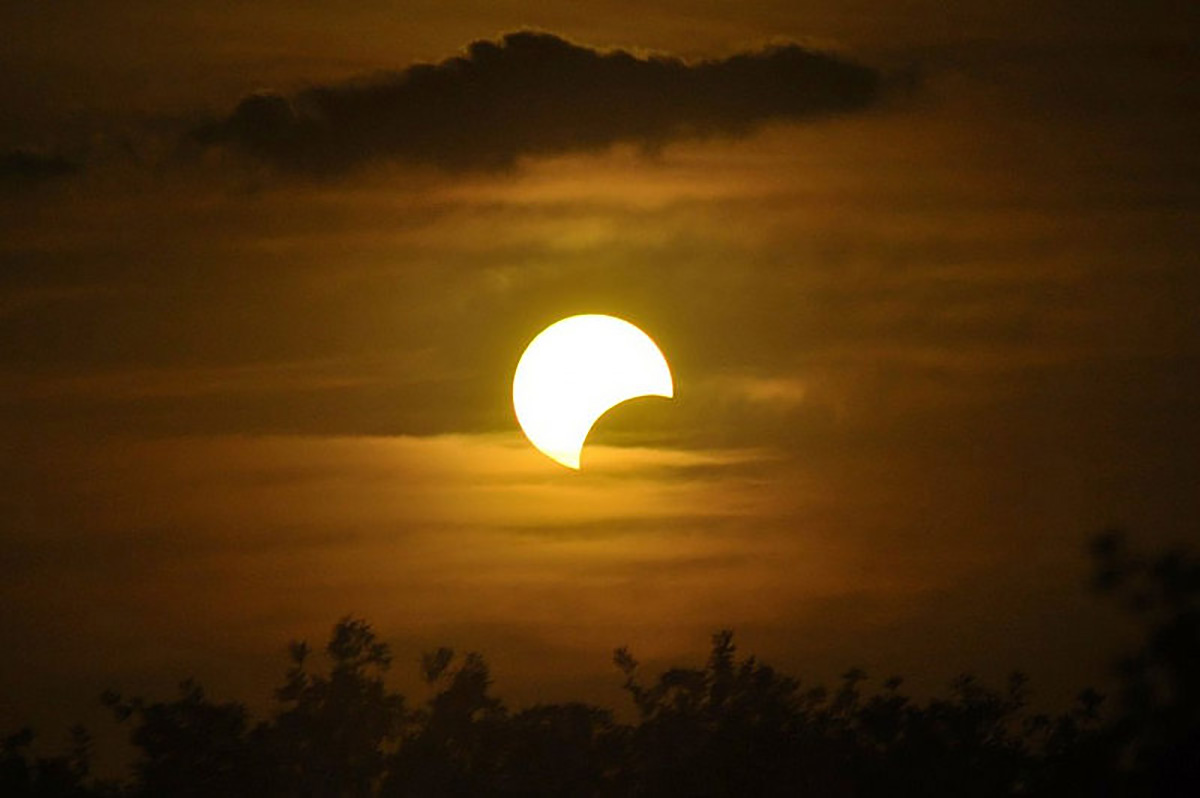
921 351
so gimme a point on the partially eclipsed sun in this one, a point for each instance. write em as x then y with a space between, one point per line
574 371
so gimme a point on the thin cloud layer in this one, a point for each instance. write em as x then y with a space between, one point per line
536 94
24 168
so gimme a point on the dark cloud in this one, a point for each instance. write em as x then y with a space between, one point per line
23 168
534 93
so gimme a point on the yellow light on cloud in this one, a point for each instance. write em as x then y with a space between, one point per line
577 369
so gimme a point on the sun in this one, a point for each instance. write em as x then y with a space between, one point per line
574 371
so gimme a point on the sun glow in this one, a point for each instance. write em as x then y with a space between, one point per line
577 369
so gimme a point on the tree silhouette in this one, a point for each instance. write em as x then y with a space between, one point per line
732 727
334 732
47 777
1159 727
190 746
453 747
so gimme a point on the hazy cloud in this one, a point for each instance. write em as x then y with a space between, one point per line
24 168
535 93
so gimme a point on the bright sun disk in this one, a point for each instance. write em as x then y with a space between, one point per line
574 371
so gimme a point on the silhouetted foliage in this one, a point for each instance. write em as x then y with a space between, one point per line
22 774
734 726
1159 725
334 732
191 746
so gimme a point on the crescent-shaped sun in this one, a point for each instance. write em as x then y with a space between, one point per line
574 371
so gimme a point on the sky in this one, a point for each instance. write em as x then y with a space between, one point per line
926 276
